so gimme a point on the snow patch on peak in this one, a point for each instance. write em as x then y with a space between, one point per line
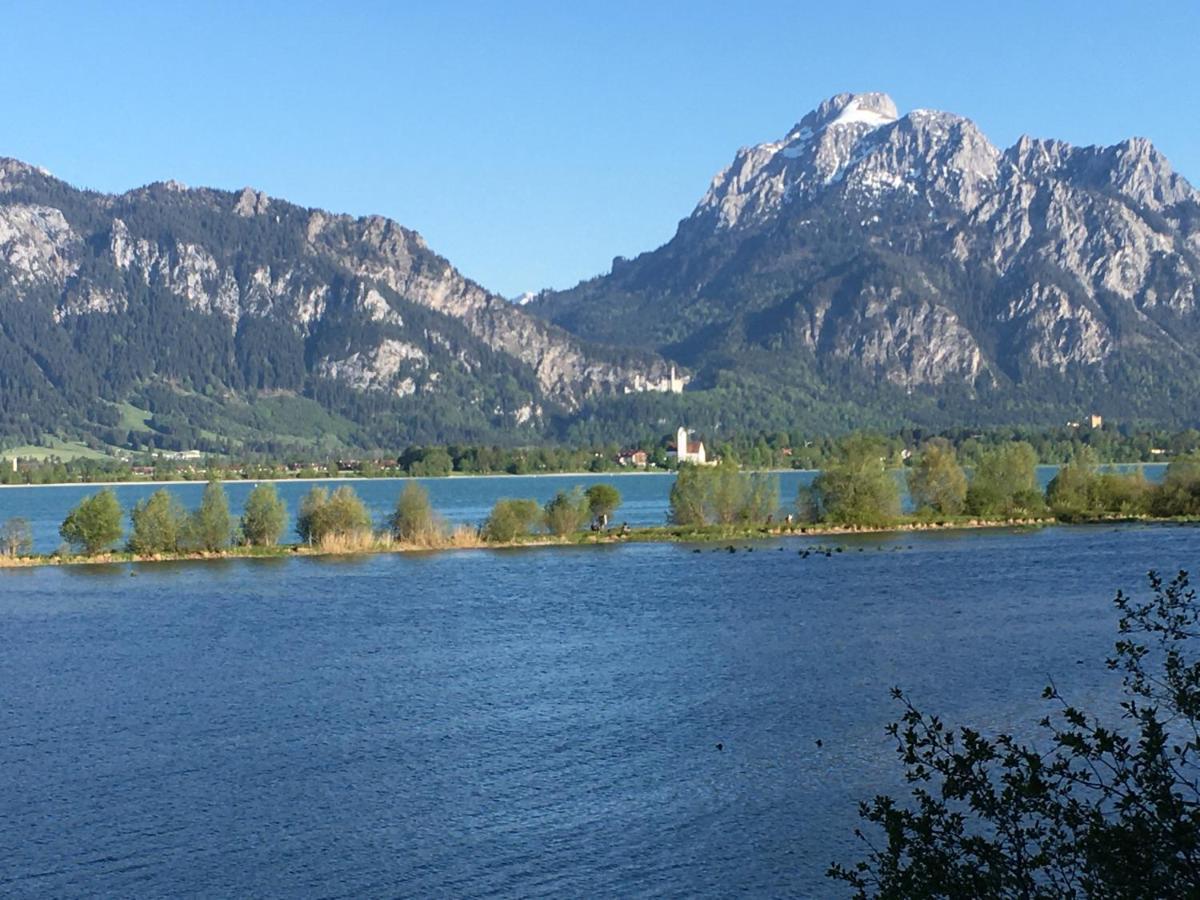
855 113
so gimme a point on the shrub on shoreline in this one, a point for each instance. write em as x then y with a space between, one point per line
722 495
413 521
1179 493
937 483
16 538
603 500
857 490
566 512
1005 483
324 515
510 519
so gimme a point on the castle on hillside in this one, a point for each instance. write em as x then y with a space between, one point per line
673 384
688 451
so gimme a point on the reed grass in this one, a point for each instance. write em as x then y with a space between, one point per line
358 541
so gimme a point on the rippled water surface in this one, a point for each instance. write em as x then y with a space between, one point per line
518 723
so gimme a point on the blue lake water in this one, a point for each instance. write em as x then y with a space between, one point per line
459 500
538 722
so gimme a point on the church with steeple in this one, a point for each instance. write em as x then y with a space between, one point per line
687 450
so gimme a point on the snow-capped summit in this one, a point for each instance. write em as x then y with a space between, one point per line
872 109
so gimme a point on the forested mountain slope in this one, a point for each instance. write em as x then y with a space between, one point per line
189 317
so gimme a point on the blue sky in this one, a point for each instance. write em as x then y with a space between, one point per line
532 142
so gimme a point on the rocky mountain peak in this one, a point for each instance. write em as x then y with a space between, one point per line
1139 171
13 171
859 141
251 203
871 109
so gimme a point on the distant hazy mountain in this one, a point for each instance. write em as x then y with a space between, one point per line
906 263
187 316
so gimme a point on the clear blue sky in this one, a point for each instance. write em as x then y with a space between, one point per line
532 142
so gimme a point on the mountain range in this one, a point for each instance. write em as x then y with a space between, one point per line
868 268
907 262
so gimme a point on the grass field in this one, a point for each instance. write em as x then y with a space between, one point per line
133 418
64 450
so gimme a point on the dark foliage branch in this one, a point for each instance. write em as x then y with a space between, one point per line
1109 811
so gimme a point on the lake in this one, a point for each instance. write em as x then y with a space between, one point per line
458 499
537 722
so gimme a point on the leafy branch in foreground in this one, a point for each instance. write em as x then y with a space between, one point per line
1108 812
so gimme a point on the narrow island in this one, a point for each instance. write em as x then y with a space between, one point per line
855 493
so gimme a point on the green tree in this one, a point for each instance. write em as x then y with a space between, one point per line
16 538
566 512
760 500
1098 810
722 495
413 520
160 524
937 483
688 497
427 462
1179 493
510 519
264 517
325 515
309 524
1005 482
1073 491
857 489
211 526
95 524
1127 495
727 492
603 500
1079 490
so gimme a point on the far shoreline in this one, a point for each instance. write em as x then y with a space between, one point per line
455 476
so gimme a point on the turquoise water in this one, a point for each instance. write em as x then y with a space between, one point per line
524 723
459 500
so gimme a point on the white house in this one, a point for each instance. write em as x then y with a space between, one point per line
688 451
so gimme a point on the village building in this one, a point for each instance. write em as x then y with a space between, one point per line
635 459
